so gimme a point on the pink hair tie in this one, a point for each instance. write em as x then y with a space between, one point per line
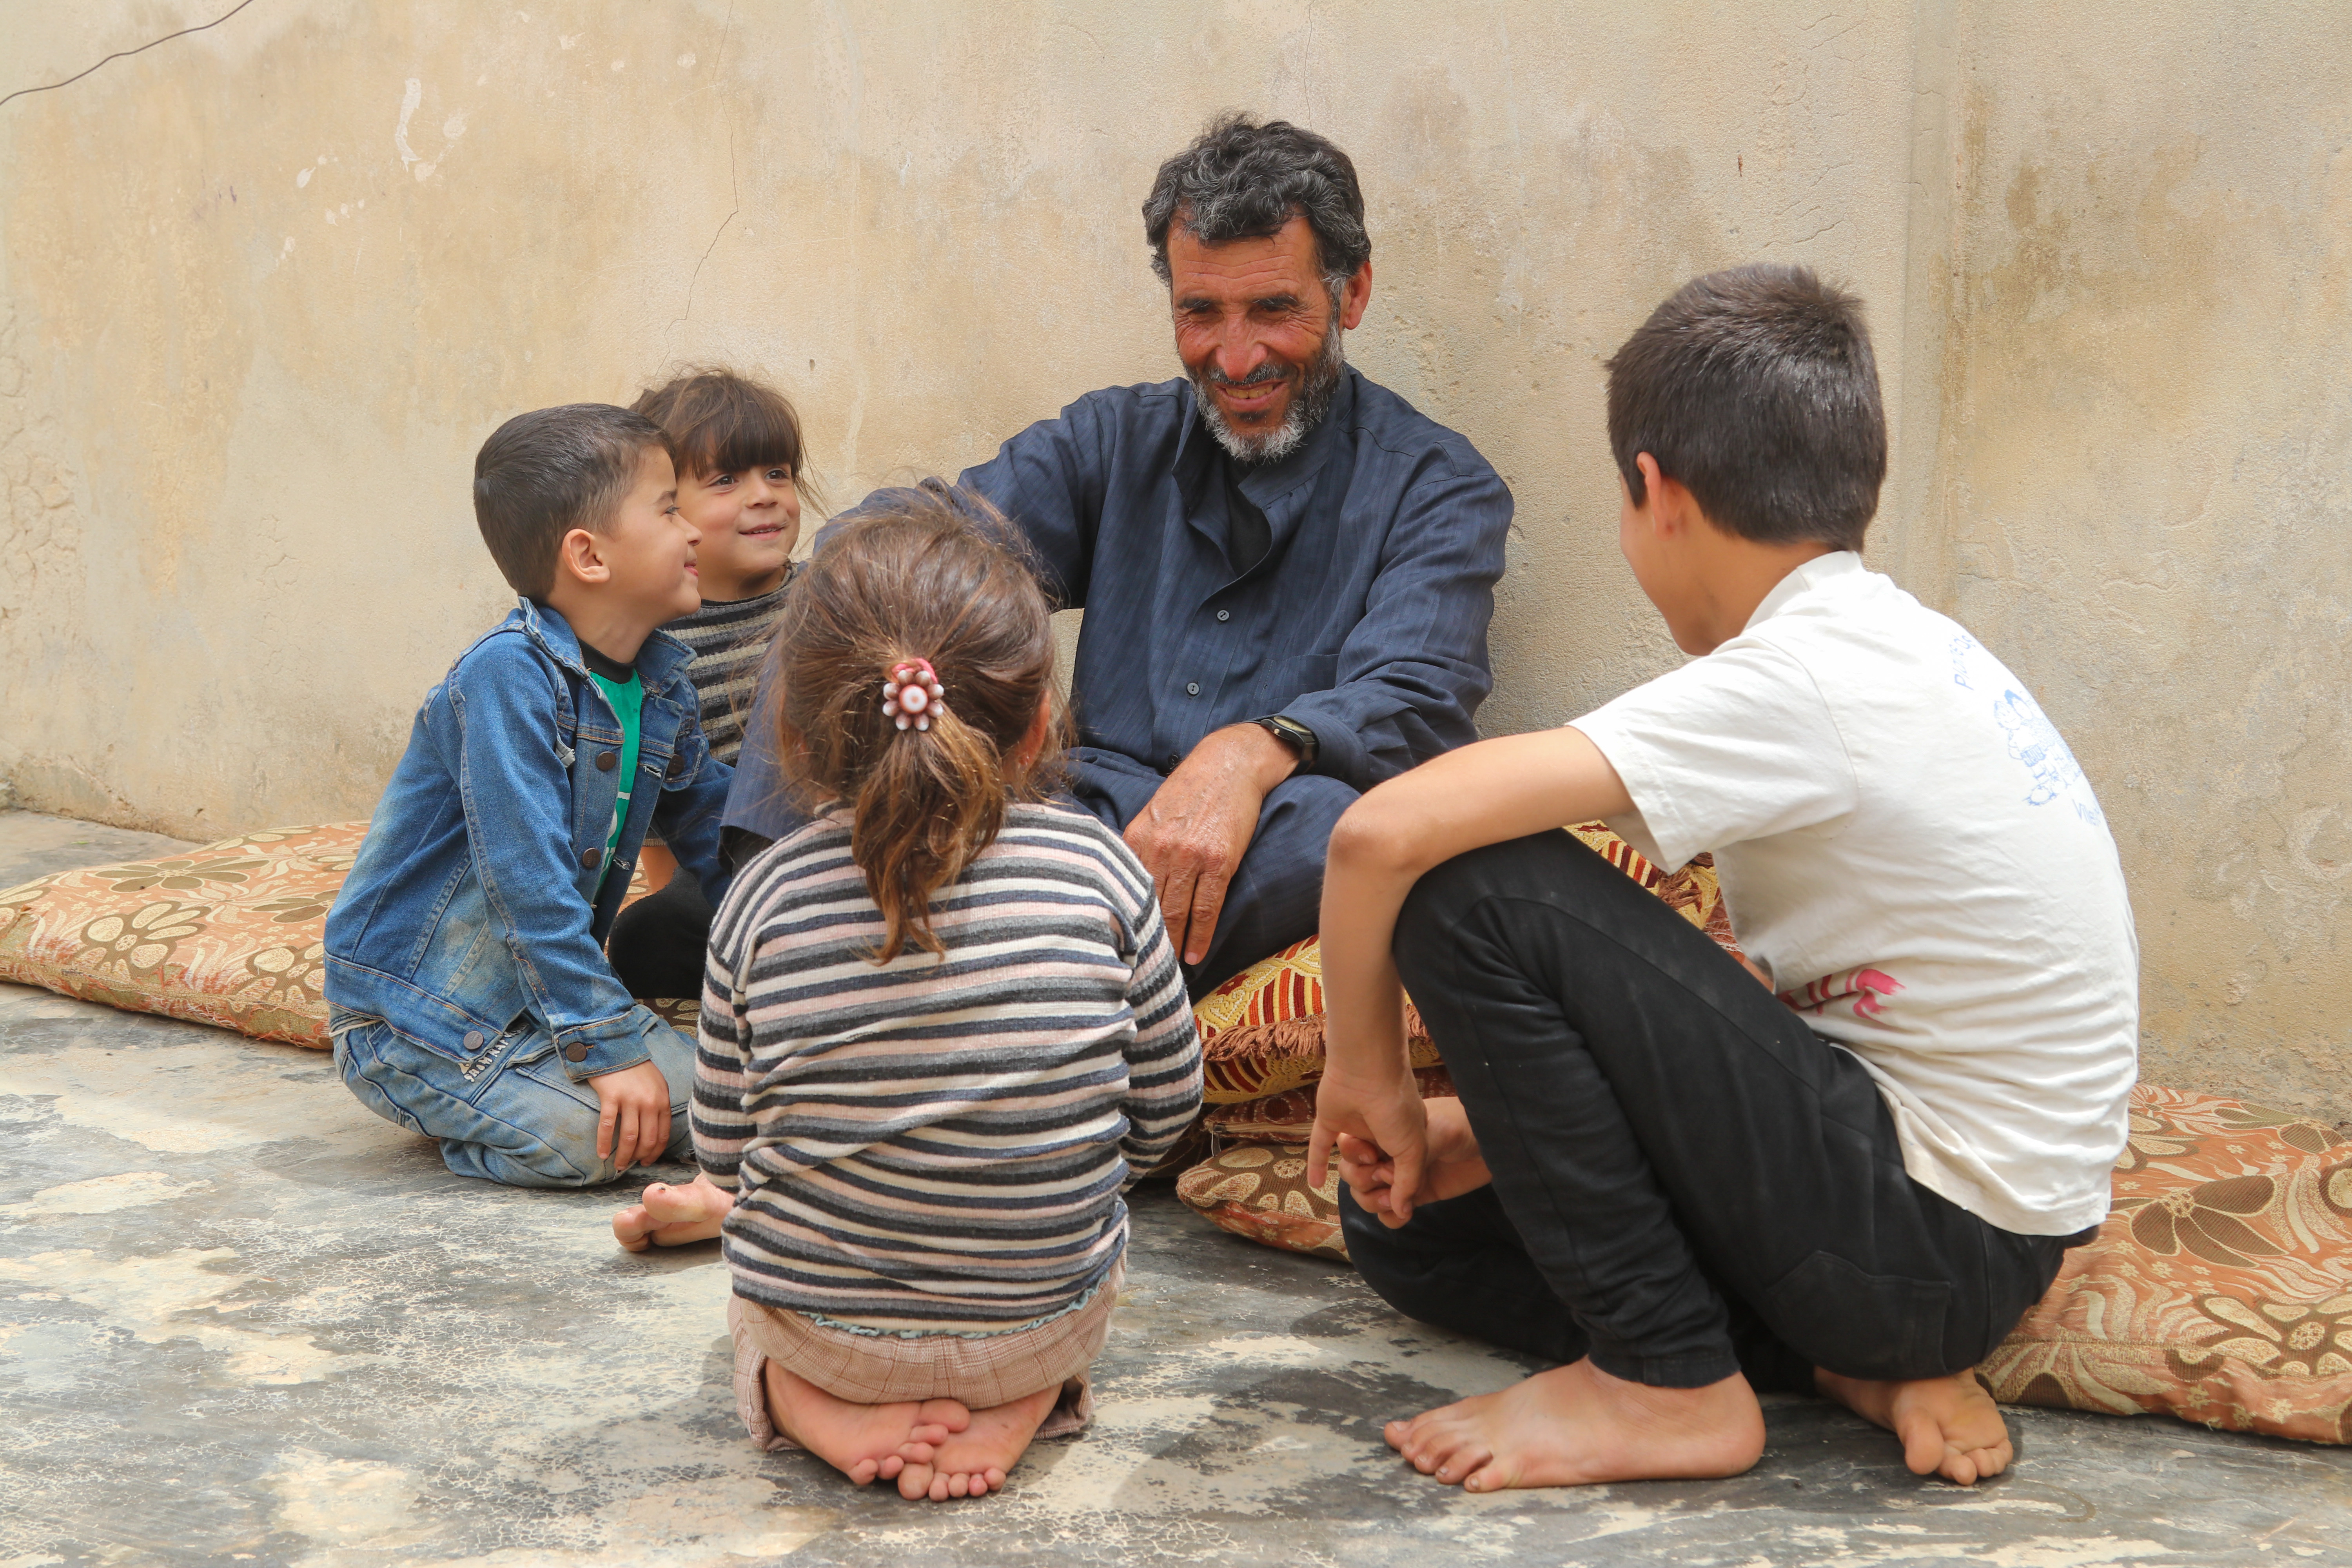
912 694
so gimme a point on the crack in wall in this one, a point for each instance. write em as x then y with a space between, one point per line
126 54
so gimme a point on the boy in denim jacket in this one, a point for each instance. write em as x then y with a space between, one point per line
471 999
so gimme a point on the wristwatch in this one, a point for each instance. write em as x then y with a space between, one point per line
1299 737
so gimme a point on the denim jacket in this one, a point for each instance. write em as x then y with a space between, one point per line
475 904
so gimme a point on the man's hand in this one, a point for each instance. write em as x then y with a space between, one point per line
1192 834
635 1127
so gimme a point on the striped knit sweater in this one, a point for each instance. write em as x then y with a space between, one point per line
728 640
937 1145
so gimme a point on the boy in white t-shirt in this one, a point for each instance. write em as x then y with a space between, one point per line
1682 1185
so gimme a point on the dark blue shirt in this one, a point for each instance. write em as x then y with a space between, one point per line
1365 620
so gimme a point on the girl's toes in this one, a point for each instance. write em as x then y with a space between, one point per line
891 1466
917 1453
915 1482
863 1471
950 1415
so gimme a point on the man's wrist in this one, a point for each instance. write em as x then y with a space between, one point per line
1302 743
1269 759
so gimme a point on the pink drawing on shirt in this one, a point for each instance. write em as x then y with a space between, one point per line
1868 987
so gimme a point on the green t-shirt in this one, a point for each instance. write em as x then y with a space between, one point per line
628 700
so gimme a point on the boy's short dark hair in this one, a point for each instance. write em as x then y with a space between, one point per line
717 422
542 474
1756 389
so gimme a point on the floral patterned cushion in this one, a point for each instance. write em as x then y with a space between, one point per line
231 934
1261 1193
2218 1290
1262 1031
1289 1117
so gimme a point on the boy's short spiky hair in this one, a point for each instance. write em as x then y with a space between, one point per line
1755 388
542 474
717 422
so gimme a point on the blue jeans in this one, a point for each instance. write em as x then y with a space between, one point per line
508 1112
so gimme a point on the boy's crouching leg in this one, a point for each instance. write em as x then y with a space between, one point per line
535 1126
510 1114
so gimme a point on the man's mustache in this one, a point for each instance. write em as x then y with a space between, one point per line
1269 370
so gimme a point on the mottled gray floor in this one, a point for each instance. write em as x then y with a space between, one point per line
241 1320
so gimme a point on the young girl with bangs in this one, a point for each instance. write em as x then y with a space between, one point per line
942 1028
742 478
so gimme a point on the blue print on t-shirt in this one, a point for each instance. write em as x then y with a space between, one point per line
2033 739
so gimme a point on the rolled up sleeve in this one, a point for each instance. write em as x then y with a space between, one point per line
1414 669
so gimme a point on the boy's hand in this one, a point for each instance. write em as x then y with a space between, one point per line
635 1127
1384 1124
1452 1164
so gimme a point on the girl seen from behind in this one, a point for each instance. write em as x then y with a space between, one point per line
942 1029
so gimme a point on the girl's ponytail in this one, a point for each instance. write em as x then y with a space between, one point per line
915 654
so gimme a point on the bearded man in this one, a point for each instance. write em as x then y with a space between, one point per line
1286 571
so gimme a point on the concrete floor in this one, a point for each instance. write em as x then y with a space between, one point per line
244 1321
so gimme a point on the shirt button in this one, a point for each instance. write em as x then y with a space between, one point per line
473 1039
607 760
589 858
1172 760
575 1053
1191 689
1224 615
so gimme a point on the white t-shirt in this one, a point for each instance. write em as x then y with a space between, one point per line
1910 851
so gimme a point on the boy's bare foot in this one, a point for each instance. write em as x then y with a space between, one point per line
672 1216
973 1463
1947 1424
862 1441
1576 1425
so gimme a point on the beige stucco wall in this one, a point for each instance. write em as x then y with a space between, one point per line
264 288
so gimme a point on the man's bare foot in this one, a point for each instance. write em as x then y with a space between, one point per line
672 1216
1575 1425
862 1441
973 1462
1948 1425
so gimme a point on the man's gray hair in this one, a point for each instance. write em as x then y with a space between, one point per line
1242 180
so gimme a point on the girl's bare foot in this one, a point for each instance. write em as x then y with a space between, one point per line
1948 1425
672 1216
973 1463
862 1441
1576 1425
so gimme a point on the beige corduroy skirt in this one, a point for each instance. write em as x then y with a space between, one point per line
884 1369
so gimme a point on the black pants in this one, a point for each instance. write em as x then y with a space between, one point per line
657 943
1687 1181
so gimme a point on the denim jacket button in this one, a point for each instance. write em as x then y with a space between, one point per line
473 1039
607 760
589 858
676 767
575 1053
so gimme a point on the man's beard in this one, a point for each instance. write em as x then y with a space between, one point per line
1318 382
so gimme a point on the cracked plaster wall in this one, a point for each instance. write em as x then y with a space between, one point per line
264 288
